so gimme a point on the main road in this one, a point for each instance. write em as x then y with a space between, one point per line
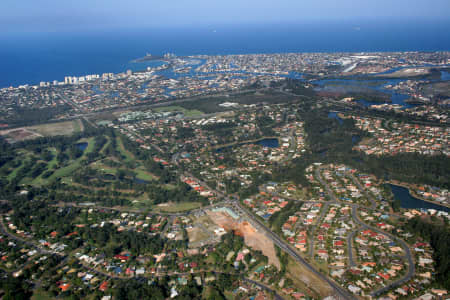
340 292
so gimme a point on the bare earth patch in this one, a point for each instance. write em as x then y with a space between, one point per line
304 279
51 129
19 134
61 128
252 237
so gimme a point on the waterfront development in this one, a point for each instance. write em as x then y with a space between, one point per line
256 176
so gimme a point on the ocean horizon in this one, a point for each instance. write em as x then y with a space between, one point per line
32 57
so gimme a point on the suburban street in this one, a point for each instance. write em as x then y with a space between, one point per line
411 268
339 291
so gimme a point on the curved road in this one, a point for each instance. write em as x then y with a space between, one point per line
313 230
361 188
351 261
404 245
289 250
99 272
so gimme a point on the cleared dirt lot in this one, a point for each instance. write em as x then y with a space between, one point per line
252 237
51 129
61 128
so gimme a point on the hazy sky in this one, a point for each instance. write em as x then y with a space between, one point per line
58 15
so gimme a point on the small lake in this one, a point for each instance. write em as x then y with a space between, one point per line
408 201
268 143
445 75
334 115
109 176
141 181
82 146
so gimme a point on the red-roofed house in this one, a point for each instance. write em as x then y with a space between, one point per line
104 286
64 287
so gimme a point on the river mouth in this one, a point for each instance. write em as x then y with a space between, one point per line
408 201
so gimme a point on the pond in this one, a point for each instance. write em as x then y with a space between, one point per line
355 139
269 143
445 75
334 115
141 181
82 146
408 201
109 176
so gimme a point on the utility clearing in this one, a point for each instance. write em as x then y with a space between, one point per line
252 237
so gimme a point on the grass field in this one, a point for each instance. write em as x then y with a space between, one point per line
39 180
60 128
104 168
144 175
196 234
66 171
50 129
129 157
322 265
41 295
176 207
186 112
106 145
21 169
140 172
14 172
306 280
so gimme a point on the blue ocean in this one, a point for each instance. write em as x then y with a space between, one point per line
28 58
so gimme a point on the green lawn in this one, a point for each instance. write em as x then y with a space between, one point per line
41 295
14 172
39 180
129 157
186 112
104 168
141 173
106 145
144 175
58 128
77 125
177 207
63 172
169 186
